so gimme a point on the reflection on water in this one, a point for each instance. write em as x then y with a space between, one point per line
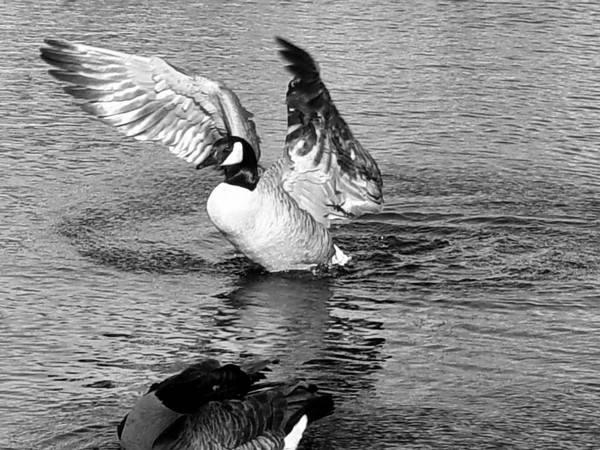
300 310
469 314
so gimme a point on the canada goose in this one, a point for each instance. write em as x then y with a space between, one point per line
209 406
278 217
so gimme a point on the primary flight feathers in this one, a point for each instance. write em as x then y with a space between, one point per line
149 99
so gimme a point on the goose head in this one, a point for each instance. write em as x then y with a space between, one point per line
238 162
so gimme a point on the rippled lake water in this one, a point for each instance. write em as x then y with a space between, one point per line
470 314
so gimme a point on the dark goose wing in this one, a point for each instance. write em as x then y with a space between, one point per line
149 99
332 176
156 414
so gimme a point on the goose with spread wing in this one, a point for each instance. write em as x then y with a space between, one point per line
212 407
278 217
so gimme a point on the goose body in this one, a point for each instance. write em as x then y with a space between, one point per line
267 225
212 407
278 217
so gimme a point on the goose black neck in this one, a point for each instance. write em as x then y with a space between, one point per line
244 174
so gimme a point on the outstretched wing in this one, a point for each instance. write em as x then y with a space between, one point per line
149 99
332 176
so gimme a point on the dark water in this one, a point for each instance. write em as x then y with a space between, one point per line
470 315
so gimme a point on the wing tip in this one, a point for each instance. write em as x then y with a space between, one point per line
283 42
57 44
59 52
300 62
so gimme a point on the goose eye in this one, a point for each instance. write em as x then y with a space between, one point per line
236 155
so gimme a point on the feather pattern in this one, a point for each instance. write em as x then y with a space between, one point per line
332 175
268 226
149 99
278 217
224 407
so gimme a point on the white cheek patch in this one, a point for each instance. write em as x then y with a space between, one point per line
292 440
236 155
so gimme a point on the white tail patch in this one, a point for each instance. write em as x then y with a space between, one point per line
340 258
292 440
236 155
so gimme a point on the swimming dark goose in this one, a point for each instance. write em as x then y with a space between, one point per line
214 407
279 217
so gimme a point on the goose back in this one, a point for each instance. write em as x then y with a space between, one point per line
223 408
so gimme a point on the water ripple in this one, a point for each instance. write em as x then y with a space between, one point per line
468 315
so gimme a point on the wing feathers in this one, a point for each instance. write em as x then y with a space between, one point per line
301 64
212 406
108 108
100 81
331 175
149 99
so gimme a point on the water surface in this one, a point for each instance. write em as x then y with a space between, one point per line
469 315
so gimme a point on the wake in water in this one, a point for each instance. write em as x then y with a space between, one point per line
393 247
